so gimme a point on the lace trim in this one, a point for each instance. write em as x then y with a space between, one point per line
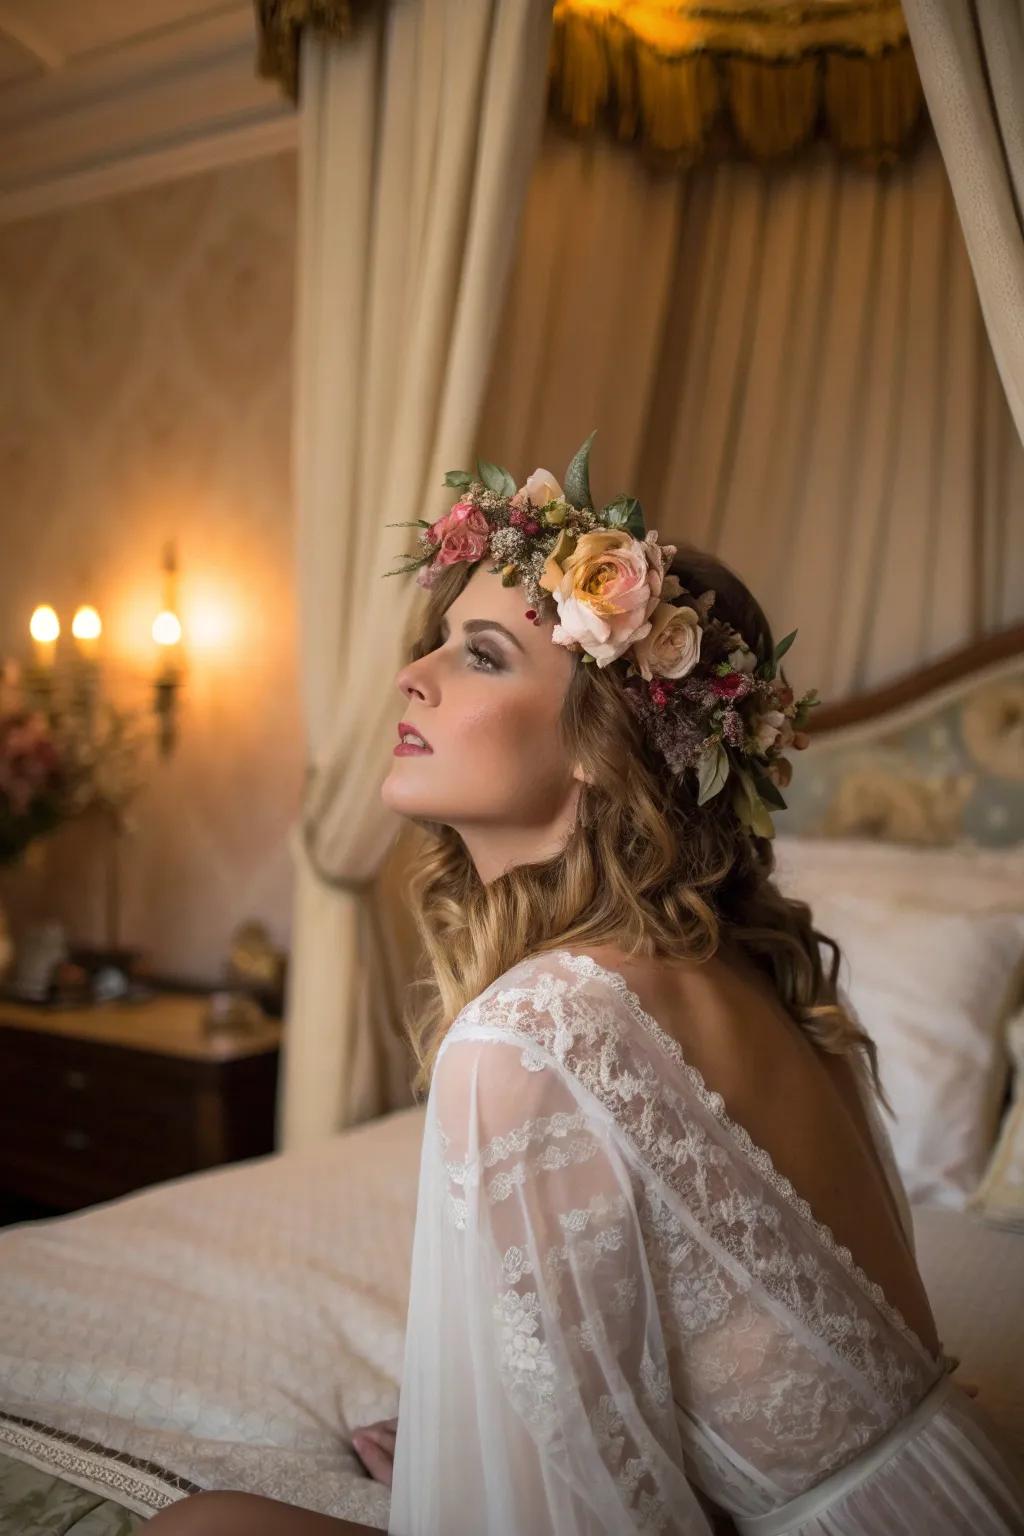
586 965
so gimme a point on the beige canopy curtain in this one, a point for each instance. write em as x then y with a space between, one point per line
418 136
971 58
791 369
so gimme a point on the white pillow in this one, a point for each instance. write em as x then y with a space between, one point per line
1000 1196
934 989
961 878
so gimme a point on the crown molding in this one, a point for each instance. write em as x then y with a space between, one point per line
170 103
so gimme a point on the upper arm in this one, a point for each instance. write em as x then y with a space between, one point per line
541 1220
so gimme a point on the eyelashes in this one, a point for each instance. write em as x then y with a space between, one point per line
482 661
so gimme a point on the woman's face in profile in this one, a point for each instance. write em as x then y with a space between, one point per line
487 701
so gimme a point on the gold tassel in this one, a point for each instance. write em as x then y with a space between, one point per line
660 71
679 101
774 106
579 64
873 105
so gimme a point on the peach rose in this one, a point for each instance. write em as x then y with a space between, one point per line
671 648
605 584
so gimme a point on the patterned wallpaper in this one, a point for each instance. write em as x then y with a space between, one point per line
145 392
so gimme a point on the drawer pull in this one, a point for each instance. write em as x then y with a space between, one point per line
76 1141
75 1079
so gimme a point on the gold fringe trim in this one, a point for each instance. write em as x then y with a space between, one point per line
671 74
280 23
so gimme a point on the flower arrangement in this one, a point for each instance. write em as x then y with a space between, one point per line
33 781
57 763
710 703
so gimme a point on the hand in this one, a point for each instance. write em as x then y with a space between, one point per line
374 1444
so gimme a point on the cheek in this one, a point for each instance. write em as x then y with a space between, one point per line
511 733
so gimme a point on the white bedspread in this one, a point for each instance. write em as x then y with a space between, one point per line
230 1329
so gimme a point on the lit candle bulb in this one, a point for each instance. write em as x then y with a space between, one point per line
44 627
86 629
167 634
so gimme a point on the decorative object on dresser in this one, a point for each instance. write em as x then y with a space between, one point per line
98 1101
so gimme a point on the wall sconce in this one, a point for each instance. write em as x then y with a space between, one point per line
86 629
167 634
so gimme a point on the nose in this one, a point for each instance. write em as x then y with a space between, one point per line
413 681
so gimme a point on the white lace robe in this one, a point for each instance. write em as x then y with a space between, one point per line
616 1300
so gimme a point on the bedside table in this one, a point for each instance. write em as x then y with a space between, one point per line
97 1102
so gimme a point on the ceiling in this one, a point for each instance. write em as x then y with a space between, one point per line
97 96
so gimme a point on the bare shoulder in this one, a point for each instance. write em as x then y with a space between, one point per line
724 1015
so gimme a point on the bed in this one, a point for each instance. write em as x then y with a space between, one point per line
231 1328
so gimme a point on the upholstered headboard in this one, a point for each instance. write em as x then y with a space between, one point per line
935 758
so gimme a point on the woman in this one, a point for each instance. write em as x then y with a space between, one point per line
663 1275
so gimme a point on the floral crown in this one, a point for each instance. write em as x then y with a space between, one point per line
707 701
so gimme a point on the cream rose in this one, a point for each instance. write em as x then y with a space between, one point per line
671 648
767 729
540 488
605 585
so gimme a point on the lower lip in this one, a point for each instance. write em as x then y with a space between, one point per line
409 749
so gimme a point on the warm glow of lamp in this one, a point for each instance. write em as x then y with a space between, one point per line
167 628
86 629
44 627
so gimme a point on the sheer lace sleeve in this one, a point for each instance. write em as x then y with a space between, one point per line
536 1395
616 1299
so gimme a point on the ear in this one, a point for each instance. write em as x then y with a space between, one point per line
580 773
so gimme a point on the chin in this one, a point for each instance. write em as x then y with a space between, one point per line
401 793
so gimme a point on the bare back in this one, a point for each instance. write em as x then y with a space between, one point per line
799 1103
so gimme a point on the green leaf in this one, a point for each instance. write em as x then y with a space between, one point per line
496 479
419 523
459 478
804 706
577 476
784 645
769 791
712 772
624 512
749 806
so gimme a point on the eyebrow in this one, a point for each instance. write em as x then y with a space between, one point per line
474 626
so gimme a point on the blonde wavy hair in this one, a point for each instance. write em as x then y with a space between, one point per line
644 867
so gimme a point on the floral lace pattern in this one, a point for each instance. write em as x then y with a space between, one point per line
746 1324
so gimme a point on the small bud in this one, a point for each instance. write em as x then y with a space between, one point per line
554 513
510 575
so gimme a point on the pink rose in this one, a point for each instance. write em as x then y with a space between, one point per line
467 540
451 519
462 534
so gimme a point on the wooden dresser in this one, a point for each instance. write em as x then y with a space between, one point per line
96 1102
